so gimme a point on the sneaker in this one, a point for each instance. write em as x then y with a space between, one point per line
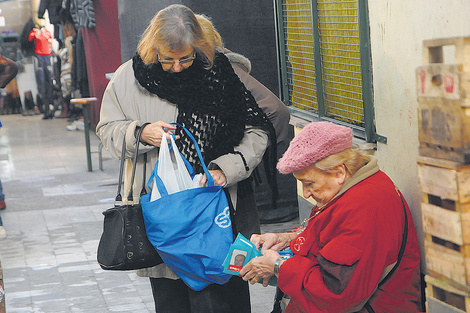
3 233
72 126
3 205
80 125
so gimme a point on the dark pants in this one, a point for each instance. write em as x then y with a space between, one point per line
173 296
44 80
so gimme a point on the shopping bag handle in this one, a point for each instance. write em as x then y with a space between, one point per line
154 173
210 180
159 182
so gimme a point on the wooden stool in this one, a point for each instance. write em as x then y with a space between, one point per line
84 103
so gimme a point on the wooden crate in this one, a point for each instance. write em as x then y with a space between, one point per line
446 219
443 178
443 92
447 81
444 129
433 51
446 296
447 260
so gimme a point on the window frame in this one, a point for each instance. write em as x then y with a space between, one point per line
368 132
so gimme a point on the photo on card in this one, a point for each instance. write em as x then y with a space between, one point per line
238 260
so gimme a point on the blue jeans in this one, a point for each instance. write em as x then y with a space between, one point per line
44 79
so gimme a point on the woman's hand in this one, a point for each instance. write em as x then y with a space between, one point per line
217 175
153 133
260 268
272 241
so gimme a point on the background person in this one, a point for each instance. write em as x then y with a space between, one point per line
353 237
8 71
42 40
177 75
272 106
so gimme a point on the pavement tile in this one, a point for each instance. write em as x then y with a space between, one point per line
54 221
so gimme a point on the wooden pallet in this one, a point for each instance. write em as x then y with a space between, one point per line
446 296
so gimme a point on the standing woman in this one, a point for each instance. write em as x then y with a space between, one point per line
177 76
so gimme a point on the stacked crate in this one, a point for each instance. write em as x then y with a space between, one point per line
444 172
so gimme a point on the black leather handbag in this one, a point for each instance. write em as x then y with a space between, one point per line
124 244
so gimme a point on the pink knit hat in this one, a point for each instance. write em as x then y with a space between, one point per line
314 142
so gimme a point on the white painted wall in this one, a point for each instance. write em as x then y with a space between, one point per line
397 30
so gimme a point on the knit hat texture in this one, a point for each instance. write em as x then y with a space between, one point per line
313 143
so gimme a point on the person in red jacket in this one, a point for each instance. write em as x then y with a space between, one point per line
42 40
359 251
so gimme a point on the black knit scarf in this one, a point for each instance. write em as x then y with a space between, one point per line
214 105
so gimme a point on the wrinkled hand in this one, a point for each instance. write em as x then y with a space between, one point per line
272 241
153 133
217 175
260 268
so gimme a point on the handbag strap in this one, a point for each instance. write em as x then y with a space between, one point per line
400 253
403 243
121 169
143 191
130 196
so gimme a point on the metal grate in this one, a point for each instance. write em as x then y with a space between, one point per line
338 28
299 56
338 73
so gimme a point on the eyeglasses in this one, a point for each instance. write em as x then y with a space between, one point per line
182 61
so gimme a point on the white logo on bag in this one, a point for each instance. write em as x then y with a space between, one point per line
223 219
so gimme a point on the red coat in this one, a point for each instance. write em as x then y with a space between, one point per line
357 236
41 41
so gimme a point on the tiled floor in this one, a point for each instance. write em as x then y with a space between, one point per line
53 222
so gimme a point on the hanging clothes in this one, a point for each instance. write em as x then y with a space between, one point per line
83 13
53 8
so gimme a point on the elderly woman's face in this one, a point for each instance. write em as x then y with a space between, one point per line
176 61
322 187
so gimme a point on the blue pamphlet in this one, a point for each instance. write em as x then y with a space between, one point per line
241 252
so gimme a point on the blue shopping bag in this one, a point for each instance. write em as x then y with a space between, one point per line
191 230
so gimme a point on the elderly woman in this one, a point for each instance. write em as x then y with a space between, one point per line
178 76
359 251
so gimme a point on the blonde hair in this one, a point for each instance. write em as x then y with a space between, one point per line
352 159
176 28
209 30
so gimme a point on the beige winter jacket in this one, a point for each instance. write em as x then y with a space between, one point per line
126 105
